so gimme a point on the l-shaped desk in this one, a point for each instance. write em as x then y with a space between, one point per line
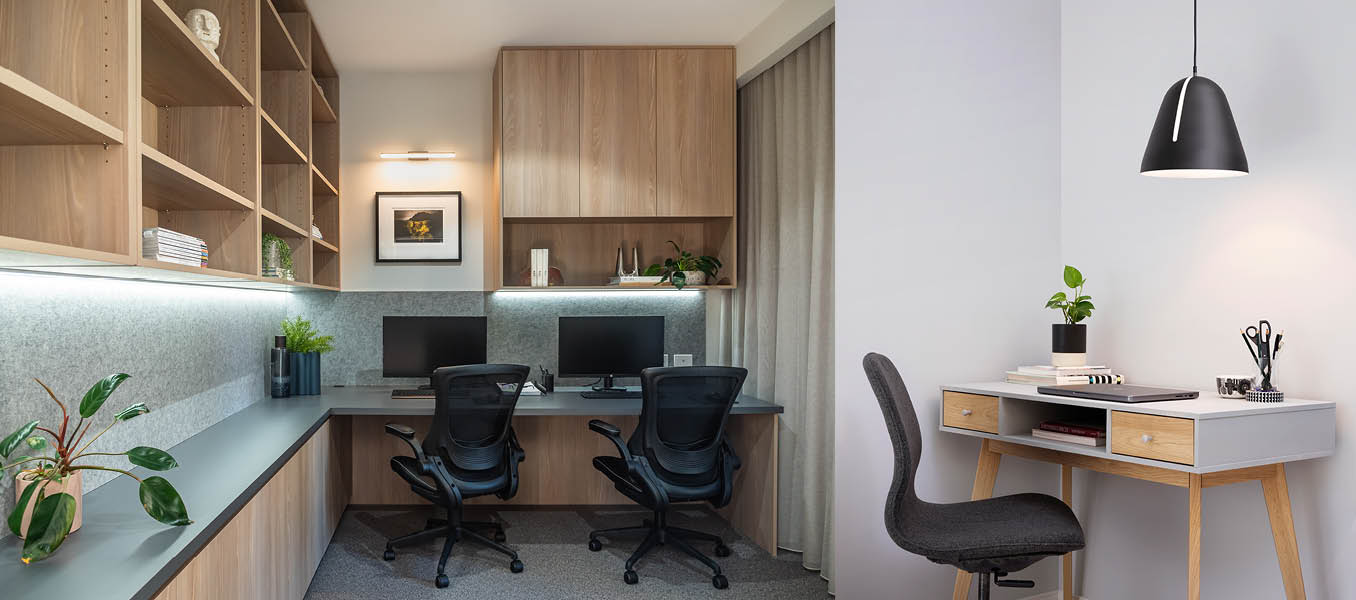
1193 444
267 485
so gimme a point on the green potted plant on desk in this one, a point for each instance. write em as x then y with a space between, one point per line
304 346
1069 340
48 486
685 269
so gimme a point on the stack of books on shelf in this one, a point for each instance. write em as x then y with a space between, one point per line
164 245
1074 433
1052 375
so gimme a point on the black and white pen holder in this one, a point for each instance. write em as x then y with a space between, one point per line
1265 396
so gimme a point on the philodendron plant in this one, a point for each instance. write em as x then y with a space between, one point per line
45 461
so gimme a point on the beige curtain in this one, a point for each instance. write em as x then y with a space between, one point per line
779 323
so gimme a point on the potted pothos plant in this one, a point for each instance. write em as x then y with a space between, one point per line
304 346
685 269
1069 340
49 483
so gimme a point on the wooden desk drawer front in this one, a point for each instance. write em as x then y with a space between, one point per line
970 411
1150 436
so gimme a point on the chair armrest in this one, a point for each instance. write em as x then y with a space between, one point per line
406 433
613 434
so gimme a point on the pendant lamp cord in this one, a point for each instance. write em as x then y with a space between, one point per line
1193 37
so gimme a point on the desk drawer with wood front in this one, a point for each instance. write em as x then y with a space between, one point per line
970 411
1151 436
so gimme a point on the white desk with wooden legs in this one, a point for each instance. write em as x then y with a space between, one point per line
1194 444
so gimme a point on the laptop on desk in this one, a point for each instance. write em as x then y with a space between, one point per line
1117 392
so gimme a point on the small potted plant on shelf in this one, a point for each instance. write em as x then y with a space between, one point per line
48 485
305 345
685 269
1069 340
277 258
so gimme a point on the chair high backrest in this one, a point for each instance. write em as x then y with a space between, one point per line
682 420
473 412
902 423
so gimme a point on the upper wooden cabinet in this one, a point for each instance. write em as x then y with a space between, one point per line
695 90
540 138
617 134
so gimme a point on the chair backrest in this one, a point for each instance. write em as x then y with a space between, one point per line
472 416
905 436
682 421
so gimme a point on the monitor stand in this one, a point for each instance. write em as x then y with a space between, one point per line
609 391
423 391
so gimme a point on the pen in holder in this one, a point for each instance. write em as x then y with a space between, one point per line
1263 349
547 384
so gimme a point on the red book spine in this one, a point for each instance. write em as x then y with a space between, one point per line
1073 429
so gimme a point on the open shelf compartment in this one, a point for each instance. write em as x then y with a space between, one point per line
585 251
177 70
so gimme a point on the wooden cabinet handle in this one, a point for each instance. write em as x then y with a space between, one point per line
965 412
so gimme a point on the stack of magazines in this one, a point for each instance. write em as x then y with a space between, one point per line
1052 375
1074 433
164 245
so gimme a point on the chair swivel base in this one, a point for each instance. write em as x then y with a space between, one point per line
1000 582
658 533
436 528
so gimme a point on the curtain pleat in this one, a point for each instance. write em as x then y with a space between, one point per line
779 323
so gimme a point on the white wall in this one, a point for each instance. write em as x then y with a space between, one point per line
395 112
1177 267
791 24
947 246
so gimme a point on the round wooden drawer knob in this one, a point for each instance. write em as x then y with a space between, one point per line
965 412
1146 438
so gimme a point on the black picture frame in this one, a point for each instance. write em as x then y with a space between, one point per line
378 218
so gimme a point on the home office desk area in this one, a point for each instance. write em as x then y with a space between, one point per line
1194 444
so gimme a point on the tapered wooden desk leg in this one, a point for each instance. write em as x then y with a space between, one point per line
1194 538
1277 494
985 475
1066 494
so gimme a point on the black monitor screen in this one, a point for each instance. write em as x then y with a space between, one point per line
602 346
415 346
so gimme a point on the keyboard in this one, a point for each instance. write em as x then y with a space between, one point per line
593 395
412 394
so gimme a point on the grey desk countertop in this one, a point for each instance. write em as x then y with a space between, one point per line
120 552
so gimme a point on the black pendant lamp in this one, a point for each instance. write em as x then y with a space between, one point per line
1194 135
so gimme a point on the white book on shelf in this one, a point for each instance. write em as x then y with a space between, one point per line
1068 437
536 268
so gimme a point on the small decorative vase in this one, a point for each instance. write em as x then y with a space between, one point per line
72 484
1068 345
206 26
305 373
694 278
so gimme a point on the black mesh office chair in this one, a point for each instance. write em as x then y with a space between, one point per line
987 537
678 453
470 451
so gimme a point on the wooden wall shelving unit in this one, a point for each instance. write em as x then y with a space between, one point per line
122 121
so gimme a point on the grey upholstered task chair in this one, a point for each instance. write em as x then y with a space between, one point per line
995 536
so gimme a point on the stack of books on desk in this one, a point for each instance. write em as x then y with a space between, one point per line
164 245
1074 433
1051 375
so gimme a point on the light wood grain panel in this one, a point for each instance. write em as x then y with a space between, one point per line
220 143
73 49
325 267
696 131
238 51
617 143
298 25
325 213
1276 492
753 504
1092 463
287 193
493 218
1194 538
231 236
970 411
1152 436
32 116
541 133
286 97
325 149
68 195
178 71
277 49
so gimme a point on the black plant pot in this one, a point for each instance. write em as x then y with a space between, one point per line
305 373
1068 339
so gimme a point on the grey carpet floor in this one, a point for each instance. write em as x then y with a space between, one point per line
553 546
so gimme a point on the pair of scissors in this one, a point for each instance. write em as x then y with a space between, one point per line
1261 336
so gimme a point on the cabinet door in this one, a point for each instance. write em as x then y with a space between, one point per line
617 134
541 133
695 94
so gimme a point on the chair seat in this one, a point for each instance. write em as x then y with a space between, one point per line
1007 533
408 468
615 469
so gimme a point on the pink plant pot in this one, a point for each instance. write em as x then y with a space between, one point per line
72 484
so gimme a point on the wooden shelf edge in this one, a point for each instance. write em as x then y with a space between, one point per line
296 230
623 219
169 266
270 125
36 104
321 65
294 284
158 10
19 252
321 111
610 288
325 245
325 180
191 175
272 19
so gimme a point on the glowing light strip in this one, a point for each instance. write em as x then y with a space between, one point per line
418 155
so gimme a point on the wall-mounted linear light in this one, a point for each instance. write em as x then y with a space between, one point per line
418 155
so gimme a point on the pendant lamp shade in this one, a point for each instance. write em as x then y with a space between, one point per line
1194 135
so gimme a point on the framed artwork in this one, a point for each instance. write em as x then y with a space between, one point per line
418 227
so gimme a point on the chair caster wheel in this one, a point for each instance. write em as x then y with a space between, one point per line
722 550
720 582
388 555
630 577
516 566
442 581
595 545
499 536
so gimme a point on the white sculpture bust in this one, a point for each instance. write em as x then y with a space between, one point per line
206 26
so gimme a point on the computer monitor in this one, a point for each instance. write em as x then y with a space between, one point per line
415 346
610 347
